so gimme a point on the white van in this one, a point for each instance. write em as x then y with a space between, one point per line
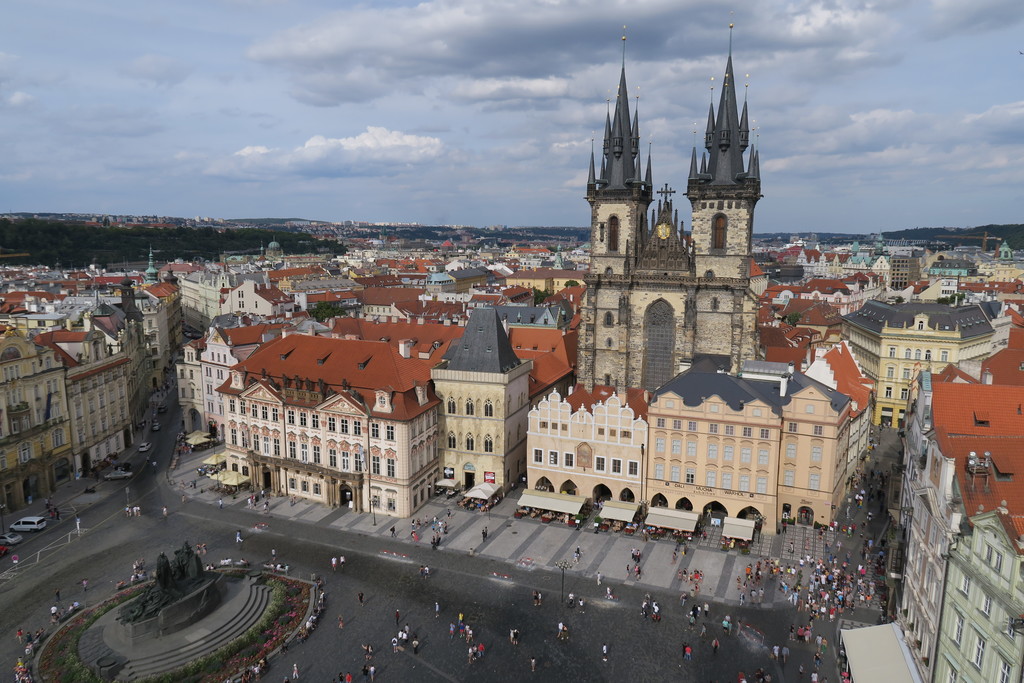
29 524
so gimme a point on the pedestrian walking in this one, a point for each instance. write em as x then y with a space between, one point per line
341 622
714 646
533 663
85 585
398 616
56 594
360 596
295 672
437 610
165 512
220 503
604 652
334 564
238 536
599 578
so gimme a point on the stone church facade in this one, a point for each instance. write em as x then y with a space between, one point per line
657 296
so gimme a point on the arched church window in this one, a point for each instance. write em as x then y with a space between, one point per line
659 344
470 442
613 233
488 409
451 406
718 232
609 319
488 444
470 407
709 274
608 271
451 440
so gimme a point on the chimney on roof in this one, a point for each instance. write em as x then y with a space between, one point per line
405 348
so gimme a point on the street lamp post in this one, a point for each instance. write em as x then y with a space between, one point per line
2 526
563 565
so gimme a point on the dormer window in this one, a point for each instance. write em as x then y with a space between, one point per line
920 324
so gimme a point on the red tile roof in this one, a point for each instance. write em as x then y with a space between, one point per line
581 399
1006 366
363 367
978 409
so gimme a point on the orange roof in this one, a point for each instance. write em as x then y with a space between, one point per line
755 270
1006 366
849 378
978 409
581 399
952 373
432 339
344 365
162 289
249 334
553 354
289 273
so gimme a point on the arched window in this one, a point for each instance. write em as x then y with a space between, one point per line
452 443
609 319
659 344
451 406
488 409
718 232
608 271
613 233
488 444
927 355
470 442
470 407
608 342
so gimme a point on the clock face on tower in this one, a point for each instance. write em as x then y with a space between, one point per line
663 230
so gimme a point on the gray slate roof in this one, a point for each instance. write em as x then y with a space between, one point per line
484 346
971 320
694 387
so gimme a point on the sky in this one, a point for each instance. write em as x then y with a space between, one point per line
870 115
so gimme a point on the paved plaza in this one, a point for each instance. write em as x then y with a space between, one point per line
489 581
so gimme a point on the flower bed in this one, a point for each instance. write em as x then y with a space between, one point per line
284 615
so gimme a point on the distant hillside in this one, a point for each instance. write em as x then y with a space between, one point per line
77 245
1013 234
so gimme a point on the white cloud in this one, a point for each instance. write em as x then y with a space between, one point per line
20 99
949 17
512 88
157 69
377 151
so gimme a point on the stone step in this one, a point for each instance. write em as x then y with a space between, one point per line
256 601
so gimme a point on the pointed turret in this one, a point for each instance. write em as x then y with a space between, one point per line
693 165
709 132
621 142
726 162
744 128
151 271
648 178
592 178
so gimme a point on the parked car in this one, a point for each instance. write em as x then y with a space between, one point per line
156 426
10 539
4 550
117 474
144 446
29 524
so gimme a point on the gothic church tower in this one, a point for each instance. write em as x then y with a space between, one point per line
657 297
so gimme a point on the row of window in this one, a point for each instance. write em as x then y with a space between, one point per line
728 452
904 393
977 653
625 433
312 420
916 354
470 406
568 461
713 428
470 441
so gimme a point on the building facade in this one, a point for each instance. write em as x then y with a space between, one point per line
770 445
657 297
35 432
895 342
589 443
485 394
335 421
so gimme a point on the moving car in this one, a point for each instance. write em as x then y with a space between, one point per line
29 524
144 446
156 426
117 474
10 539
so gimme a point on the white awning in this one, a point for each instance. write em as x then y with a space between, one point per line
667 518
879 653
733 527
555 502
619 511
483 491
446 483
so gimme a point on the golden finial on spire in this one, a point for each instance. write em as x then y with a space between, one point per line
623 46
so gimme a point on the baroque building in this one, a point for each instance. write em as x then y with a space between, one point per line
35 443
658 297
